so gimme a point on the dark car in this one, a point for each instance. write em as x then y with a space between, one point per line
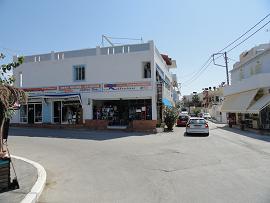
182 120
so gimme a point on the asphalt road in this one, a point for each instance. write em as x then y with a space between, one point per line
88 166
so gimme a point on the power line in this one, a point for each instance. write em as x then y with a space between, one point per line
249 36
244 33
200 72
196 72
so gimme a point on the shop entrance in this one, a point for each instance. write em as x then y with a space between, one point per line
67 112
31 113
121 112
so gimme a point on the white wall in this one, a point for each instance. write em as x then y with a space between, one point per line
258 64
99 69
257 81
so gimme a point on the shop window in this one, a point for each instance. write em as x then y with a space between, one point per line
79 73
146 70
38 113
23 114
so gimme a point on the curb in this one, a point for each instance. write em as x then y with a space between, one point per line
34 194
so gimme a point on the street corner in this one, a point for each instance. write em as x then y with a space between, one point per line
31 177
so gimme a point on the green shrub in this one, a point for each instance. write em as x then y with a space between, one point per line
170 117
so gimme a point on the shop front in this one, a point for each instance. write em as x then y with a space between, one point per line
52 108
122 112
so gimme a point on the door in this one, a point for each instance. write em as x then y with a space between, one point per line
31 113
57 112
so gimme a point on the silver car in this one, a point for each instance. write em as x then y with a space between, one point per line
197 125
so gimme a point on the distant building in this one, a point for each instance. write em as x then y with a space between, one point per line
248 97
100 88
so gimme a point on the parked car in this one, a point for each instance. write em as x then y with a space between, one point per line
184 113
200 115
196 125
182 120
206 116
192 115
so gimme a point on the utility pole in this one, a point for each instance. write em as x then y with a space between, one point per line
227 70
226 64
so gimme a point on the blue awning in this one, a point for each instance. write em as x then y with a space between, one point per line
166 102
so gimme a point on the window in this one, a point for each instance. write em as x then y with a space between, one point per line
23 114
38 113
79 72
146 70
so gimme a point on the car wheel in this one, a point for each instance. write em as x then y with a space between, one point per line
207 134
187 134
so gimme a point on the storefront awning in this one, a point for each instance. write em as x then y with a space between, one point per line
259 105
57 96
166 102
238 103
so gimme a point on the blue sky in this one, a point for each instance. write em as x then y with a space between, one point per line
189 31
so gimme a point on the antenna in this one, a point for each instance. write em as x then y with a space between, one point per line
109 39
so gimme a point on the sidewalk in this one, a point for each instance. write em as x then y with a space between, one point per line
257 131
27 176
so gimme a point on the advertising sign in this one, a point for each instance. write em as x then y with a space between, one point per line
81 88
130 86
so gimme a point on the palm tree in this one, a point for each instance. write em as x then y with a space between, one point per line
10 97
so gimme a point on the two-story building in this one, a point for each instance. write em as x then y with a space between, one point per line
248 96
102 87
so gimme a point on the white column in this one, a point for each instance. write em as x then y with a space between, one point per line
154 108
88 110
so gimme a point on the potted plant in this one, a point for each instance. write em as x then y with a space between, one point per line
160 127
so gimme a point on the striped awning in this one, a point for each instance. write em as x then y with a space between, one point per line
238 103
56 96
259 105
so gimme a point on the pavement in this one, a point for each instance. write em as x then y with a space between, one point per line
94 166
27 176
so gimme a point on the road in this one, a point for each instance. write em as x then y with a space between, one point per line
88 166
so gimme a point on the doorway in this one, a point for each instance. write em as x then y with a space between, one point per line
31 113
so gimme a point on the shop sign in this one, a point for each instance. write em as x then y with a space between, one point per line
40 89
130 86
81 88
159 93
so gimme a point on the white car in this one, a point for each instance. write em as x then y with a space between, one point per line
206 116
197 125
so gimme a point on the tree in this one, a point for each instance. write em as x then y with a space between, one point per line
170 117
9 95
195 100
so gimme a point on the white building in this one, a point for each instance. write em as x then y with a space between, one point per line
248 97
96 87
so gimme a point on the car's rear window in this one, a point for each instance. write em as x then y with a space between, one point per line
197 121
183 118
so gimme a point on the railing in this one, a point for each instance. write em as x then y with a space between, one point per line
88 52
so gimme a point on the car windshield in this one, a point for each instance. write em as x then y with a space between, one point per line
197 121
184 118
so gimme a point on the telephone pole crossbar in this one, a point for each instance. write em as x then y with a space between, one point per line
226 63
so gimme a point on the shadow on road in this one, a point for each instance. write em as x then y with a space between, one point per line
195 135
249 134
72 134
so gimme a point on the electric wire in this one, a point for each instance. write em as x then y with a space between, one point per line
195 77
244 33
248 37
199 72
